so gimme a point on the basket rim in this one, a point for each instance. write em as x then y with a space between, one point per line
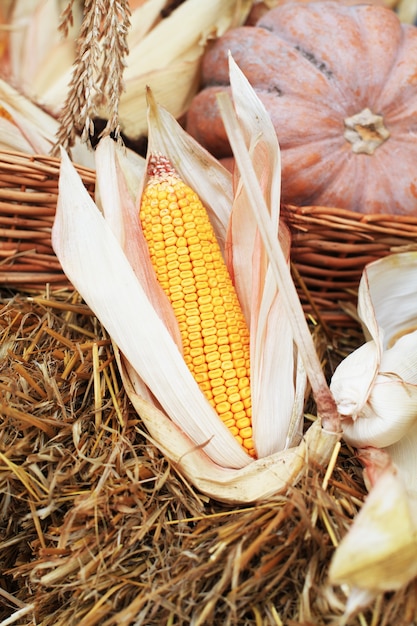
302 217
347 213
14 161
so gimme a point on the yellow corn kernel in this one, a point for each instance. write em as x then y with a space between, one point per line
190 268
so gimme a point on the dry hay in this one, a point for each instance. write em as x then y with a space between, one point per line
98 528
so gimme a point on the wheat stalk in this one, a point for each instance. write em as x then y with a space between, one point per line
97 78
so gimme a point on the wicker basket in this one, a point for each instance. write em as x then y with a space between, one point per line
28 197
330 246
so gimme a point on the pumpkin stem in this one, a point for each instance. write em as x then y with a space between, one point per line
365 131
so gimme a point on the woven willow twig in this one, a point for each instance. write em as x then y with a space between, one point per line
28 197
331 246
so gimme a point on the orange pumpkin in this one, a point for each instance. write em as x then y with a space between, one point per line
259 7
340 84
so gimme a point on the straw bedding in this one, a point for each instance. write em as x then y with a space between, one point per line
98 528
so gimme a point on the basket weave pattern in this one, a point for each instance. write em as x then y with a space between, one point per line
330 248
28 197
329 251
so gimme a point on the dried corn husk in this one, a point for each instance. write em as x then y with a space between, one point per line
25 127
94 253
78 78
379 553
375 389
168 57
37 57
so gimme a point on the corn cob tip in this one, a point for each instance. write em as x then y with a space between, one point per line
160 167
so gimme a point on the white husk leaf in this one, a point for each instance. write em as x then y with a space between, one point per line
259 132
379 553
279 267
389 287
376 391
274 401
107 156
178 416
375 387
133 167
353 379
33 128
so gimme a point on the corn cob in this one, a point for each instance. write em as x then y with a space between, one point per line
190 268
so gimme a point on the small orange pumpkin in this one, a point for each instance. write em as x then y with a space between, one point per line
340 84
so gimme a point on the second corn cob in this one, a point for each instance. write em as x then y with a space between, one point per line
190 268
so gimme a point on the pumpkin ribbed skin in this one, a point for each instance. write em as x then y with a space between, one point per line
315 66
